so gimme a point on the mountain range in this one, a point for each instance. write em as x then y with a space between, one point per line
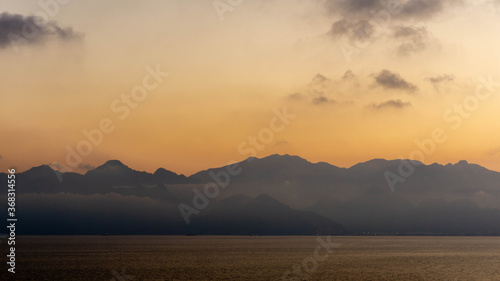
274 195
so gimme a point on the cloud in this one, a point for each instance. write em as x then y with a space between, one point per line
354 30
322 100
85 167
318 89
320 79
17 29
1 157
399 9
316 92
360 21
423 9
441 78
319 84
81 167
350 78
349 75
56 166
353 7
323 90
390 80
414 39
398 104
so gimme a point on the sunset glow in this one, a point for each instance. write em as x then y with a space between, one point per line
355 96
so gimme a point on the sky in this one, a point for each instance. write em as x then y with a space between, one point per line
188 85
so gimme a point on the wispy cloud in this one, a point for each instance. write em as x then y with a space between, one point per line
441 78
413 39
85 167
493 152
398 104
323 90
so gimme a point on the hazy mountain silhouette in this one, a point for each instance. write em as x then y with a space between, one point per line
262 215
459 198
70 214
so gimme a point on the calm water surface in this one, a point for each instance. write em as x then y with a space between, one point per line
254 258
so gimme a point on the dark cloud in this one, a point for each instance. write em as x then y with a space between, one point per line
18 29
422 9
322 100
414 39
1 157
399 9
390 80
353 7
441 78
362 21
390 104
354 30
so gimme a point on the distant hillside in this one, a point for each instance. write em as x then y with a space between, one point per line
263 215
278 194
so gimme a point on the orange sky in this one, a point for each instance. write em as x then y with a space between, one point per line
231 68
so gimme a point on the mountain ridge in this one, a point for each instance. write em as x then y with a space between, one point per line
460 198
113 162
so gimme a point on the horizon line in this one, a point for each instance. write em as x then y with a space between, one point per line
52 166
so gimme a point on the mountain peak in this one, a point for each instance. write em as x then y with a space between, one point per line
284 157
113 163
43 169
165 173
110 166
462 163
161 171
376 163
